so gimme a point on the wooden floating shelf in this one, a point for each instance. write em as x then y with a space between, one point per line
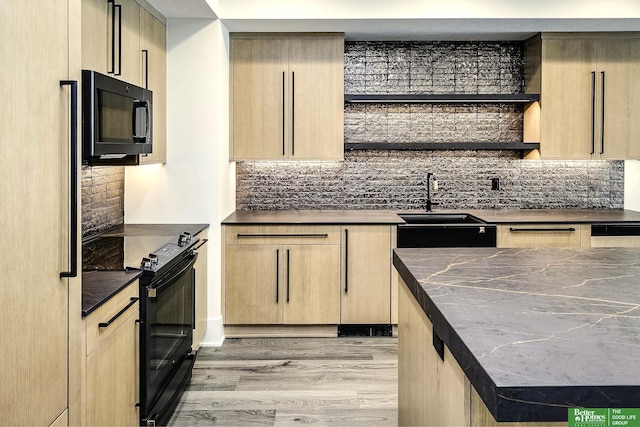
518 98
515 146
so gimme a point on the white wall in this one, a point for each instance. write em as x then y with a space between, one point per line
632 185
197 185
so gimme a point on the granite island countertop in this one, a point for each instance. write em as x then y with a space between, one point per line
535 330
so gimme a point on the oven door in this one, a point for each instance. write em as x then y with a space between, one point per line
167 330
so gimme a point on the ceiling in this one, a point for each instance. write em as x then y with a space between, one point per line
399 27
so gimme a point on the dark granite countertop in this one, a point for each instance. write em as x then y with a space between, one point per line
99 286
153 229
535 330
492 216
320 217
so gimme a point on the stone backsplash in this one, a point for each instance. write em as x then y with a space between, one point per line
387 179
102 198
394 179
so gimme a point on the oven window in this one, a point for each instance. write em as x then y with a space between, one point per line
171 322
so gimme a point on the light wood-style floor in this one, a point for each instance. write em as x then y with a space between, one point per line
293 381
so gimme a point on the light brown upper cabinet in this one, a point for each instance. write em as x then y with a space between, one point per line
111 38
125 41
287 97
153 52
589 87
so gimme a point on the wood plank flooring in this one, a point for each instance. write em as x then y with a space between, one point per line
293 381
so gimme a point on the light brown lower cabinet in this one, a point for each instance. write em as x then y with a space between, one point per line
282 275
551 235
434 391
112 373
365 296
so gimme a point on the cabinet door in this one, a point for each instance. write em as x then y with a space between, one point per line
34 159
128 55
618 60
316 69
253 282
366 275
311 288
258 93
568 70
543 235
154 77
96 42
112 378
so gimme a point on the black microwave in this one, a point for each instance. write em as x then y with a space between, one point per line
117 120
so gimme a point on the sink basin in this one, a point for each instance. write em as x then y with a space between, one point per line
439 218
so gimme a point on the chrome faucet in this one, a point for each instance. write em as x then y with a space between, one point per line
435 187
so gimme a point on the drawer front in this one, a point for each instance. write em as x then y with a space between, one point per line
282 234
543 235
105 319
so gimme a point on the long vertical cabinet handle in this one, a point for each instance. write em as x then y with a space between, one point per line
593 112
119 7
283 109
293 113
288 275
277 275
73 180
113 36
145 53
346 261
602 119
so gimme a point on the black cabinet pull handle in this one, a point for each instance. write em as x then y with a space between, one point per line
118 314
293 113
283 122
346 261
145 53
119 7
113 37
317 235
73 180
288 275
593 112
602 120
277 275
545 230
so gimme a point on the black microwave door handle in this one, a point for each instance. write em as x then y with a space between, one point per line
134 120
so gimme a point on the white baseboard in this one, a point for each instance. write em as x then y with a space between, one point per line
214 336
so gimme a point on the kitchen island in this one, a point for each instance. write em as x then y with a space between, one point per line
524 334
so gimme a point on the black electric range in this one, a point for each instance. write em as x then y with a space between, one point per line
167 311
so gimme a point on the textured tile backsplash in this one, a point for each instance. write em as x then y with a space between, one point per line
383 179
102 198
390 179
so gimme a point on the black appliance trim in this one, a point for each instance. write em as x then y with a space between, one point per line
626 229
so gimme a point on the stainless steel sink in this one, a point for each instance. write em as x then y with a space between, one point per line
439 218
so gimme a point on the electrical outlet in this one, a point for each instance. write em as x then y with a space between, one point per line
495 183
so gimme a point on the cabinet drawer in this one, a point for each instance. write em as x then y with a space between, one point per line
106 318
543 235
278 234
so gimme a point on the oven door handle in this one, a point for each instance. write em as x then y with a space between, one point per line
190 260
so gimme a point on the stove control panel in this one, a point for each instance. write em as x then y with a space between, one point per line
166 254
